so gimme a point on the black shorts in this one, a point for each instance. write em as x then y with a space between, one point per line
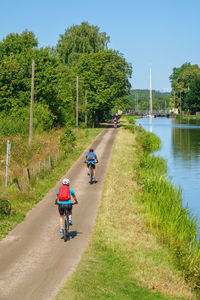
65 208
92 164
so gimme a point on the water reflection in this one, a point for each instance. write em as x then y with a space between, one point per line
186 140
181 147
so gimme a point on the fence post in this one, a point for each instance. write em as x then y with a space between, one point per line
28 175
49 161
7 160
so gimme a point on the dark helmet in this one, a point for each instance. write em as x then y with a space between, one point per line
91 150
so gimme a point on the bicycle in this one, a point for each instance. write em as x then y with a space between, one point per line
115 124
66 224
91 172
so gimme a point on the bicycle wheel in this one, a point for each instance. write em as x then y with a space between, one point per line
66 229
91 174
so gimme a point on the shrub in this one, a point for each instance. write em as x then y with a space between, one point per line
67 141
149 141
17 122
5 207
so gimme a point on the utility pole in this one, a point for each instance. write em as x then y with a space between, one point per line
86 108
31 106
77 102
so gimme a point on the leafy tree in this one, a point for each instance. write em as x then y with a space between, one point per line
80 39
105 78
192 100
139 100
181 79
177 71
53 82
17 44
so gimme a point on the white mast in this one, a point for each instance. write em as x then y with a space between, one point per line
150 97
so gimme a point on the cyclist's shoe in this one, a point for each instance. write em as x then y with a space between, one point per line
94 179
70 222
61 232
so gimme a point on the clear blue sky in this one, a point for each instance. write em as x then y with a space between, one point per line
162 34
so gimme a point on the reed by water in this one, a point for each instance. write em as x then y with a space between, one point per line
174 224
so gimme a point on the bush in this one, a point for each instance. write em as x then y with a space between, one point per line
149 141
67 141
17 122
5 207
131 120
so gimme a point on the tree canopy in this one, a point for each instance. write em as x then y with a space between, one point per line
105 78
182 82
81 51
80 39
139 100
192 99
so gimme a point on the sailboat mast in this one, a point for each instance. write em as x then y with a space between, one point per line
150 96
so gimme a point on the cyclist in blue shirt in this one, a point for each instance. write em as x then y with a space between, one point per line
65 205
91 158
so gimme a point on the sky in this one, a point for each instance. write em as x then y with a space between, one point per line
156 34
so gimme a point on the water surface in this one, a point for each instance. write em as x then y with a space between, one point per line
181 147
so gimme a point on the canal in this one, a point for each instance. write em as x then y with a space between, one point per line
181 148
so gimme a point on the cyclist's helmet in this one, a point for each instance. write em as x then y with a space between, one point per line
66 181
91 150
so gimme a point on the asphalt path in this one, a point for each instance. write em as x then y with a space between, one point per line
34 261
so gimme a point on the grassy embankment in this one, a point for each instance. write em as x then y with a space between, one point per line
26 198
124 260
168 219
188 117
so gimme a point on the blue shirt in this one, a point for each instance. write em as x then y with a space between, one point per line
91 160
69 201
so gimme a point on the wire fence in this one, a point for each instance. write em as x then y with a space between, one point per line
25 175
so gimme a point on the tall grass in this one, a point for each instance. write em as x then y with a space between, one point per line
23 200
173 223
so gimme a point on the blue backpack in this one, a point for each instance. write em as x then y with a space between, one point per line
90 156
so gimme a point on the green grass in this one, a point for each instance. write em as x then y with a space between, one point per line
22 202
123 259
165 215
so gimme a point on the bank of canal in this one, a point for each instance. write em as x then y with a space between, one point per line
180 139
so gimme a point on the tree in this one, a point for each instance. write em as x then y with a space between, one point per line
80 39
105 78
192 100
17 44
181 79
53 82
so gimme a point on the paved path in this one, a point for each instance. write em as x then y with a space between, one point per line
34 261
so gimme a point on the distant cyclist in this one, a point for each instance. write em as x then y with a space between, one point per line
91 159
63 199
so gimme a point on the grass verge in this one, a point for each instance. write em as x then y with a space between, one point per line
123 259
22 202
175 226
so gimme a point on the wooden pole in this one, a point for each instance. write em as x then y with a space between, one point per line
85 108
77 102
31 107
7 160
